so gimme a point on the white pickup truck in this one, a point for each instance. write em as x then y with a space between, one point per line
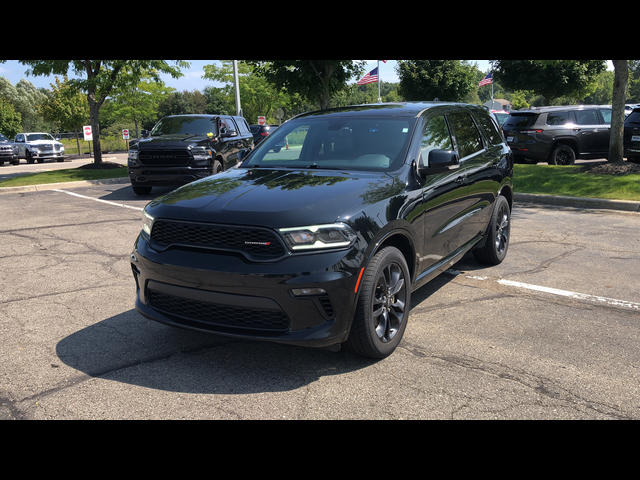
39 147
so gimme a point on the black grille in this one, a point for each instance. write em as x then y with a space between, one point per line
164 158
217 315
251 242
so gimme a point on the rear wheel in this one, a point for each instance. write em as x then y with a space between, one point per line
562 155
383 306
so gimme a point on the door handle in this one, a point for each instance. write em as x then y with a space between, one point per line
461 180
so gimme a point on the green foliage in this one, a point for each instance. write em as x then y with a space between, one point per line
315 81
550 78
447 80
10 120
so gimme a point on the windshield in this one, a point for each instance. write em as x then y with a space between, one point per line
3 138
349 143
200 126
33 137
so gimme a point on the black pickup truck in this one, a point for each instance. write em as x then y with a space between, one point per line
184 148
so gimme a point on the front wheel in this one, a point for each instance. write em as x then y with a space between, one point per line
383 306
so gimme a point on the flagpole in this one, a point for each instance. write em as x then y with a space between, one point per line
379 97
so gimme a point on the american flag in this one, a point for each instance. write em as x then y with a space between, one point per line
488 80
370 77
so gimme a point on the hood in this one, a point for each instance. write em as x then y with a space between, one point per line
43 142
272 198
171 141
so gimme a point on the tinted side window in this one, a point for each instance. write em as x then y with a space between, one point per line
242 125
466 133
490 128
435 136
606 116
559 118
587 117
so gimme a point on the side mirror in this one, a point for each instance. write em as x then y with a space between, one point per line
439 161
242 154
144 133
229 133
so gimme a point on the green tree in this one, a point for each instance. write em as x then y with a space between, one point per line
316 81
447 80
258 96
549 78
10 120
67 106
101 78
138 104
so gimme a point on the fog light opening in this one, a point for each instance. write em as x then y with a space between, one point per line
308 292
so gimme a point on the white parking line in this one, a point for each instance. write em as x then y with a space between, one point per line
555 291
98 200
579 296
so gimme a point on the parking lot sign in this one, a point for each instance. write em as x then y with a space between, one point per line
88 134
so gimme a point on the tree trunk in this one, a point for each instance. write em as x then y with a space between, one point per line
620 88
94 115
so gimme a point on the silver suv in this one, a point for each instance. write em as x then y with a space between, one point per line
559 135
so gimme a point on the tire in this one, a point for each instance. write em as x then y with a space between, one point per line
496 247
217 167
562 155
142 190
383 306
28 156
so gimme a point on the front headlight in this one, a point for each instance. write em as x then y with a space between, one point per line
317 237
147 223
133 158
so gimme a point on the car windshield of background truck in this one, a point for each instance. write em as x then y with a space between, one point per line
336 143
200 126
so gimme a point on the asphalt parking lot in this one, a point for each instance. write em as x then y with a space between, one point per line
550 334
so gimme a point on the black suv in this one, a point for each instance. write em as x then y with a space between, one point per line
184 148
559 135
632 136
322 243
260 132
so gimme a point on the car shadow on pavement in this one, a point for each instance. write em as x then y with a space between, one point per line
129 349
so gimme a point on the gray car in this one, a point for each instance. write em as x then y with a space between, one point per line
559 135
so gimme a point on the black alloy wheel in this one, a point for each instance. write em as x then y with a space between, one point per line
383 306
563 155
495 249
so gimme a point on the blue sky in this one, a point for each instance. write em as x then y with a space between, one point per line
192 79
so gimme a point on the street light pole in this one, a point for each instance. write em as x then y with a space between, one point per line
237 85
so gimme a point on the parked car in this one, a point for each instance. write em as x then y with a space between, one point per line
559 135
260 132
38 147
632 136
8 151
184 148
323 245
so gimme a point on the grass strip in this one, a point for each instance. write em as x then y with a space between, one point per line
67 175
568 182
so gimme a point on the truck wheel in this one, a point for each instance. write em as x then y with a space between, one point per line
142 190
217 167
28 156
495 249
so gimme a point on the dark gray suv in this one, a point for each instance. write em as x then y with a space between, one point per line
559 135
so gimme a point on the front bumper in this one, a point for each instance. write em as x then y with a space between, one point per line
167 177
227 295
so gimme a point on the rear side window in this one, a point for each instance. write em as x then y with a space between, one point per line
606 116
466 133
490 128
516 120
560 118
587 117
